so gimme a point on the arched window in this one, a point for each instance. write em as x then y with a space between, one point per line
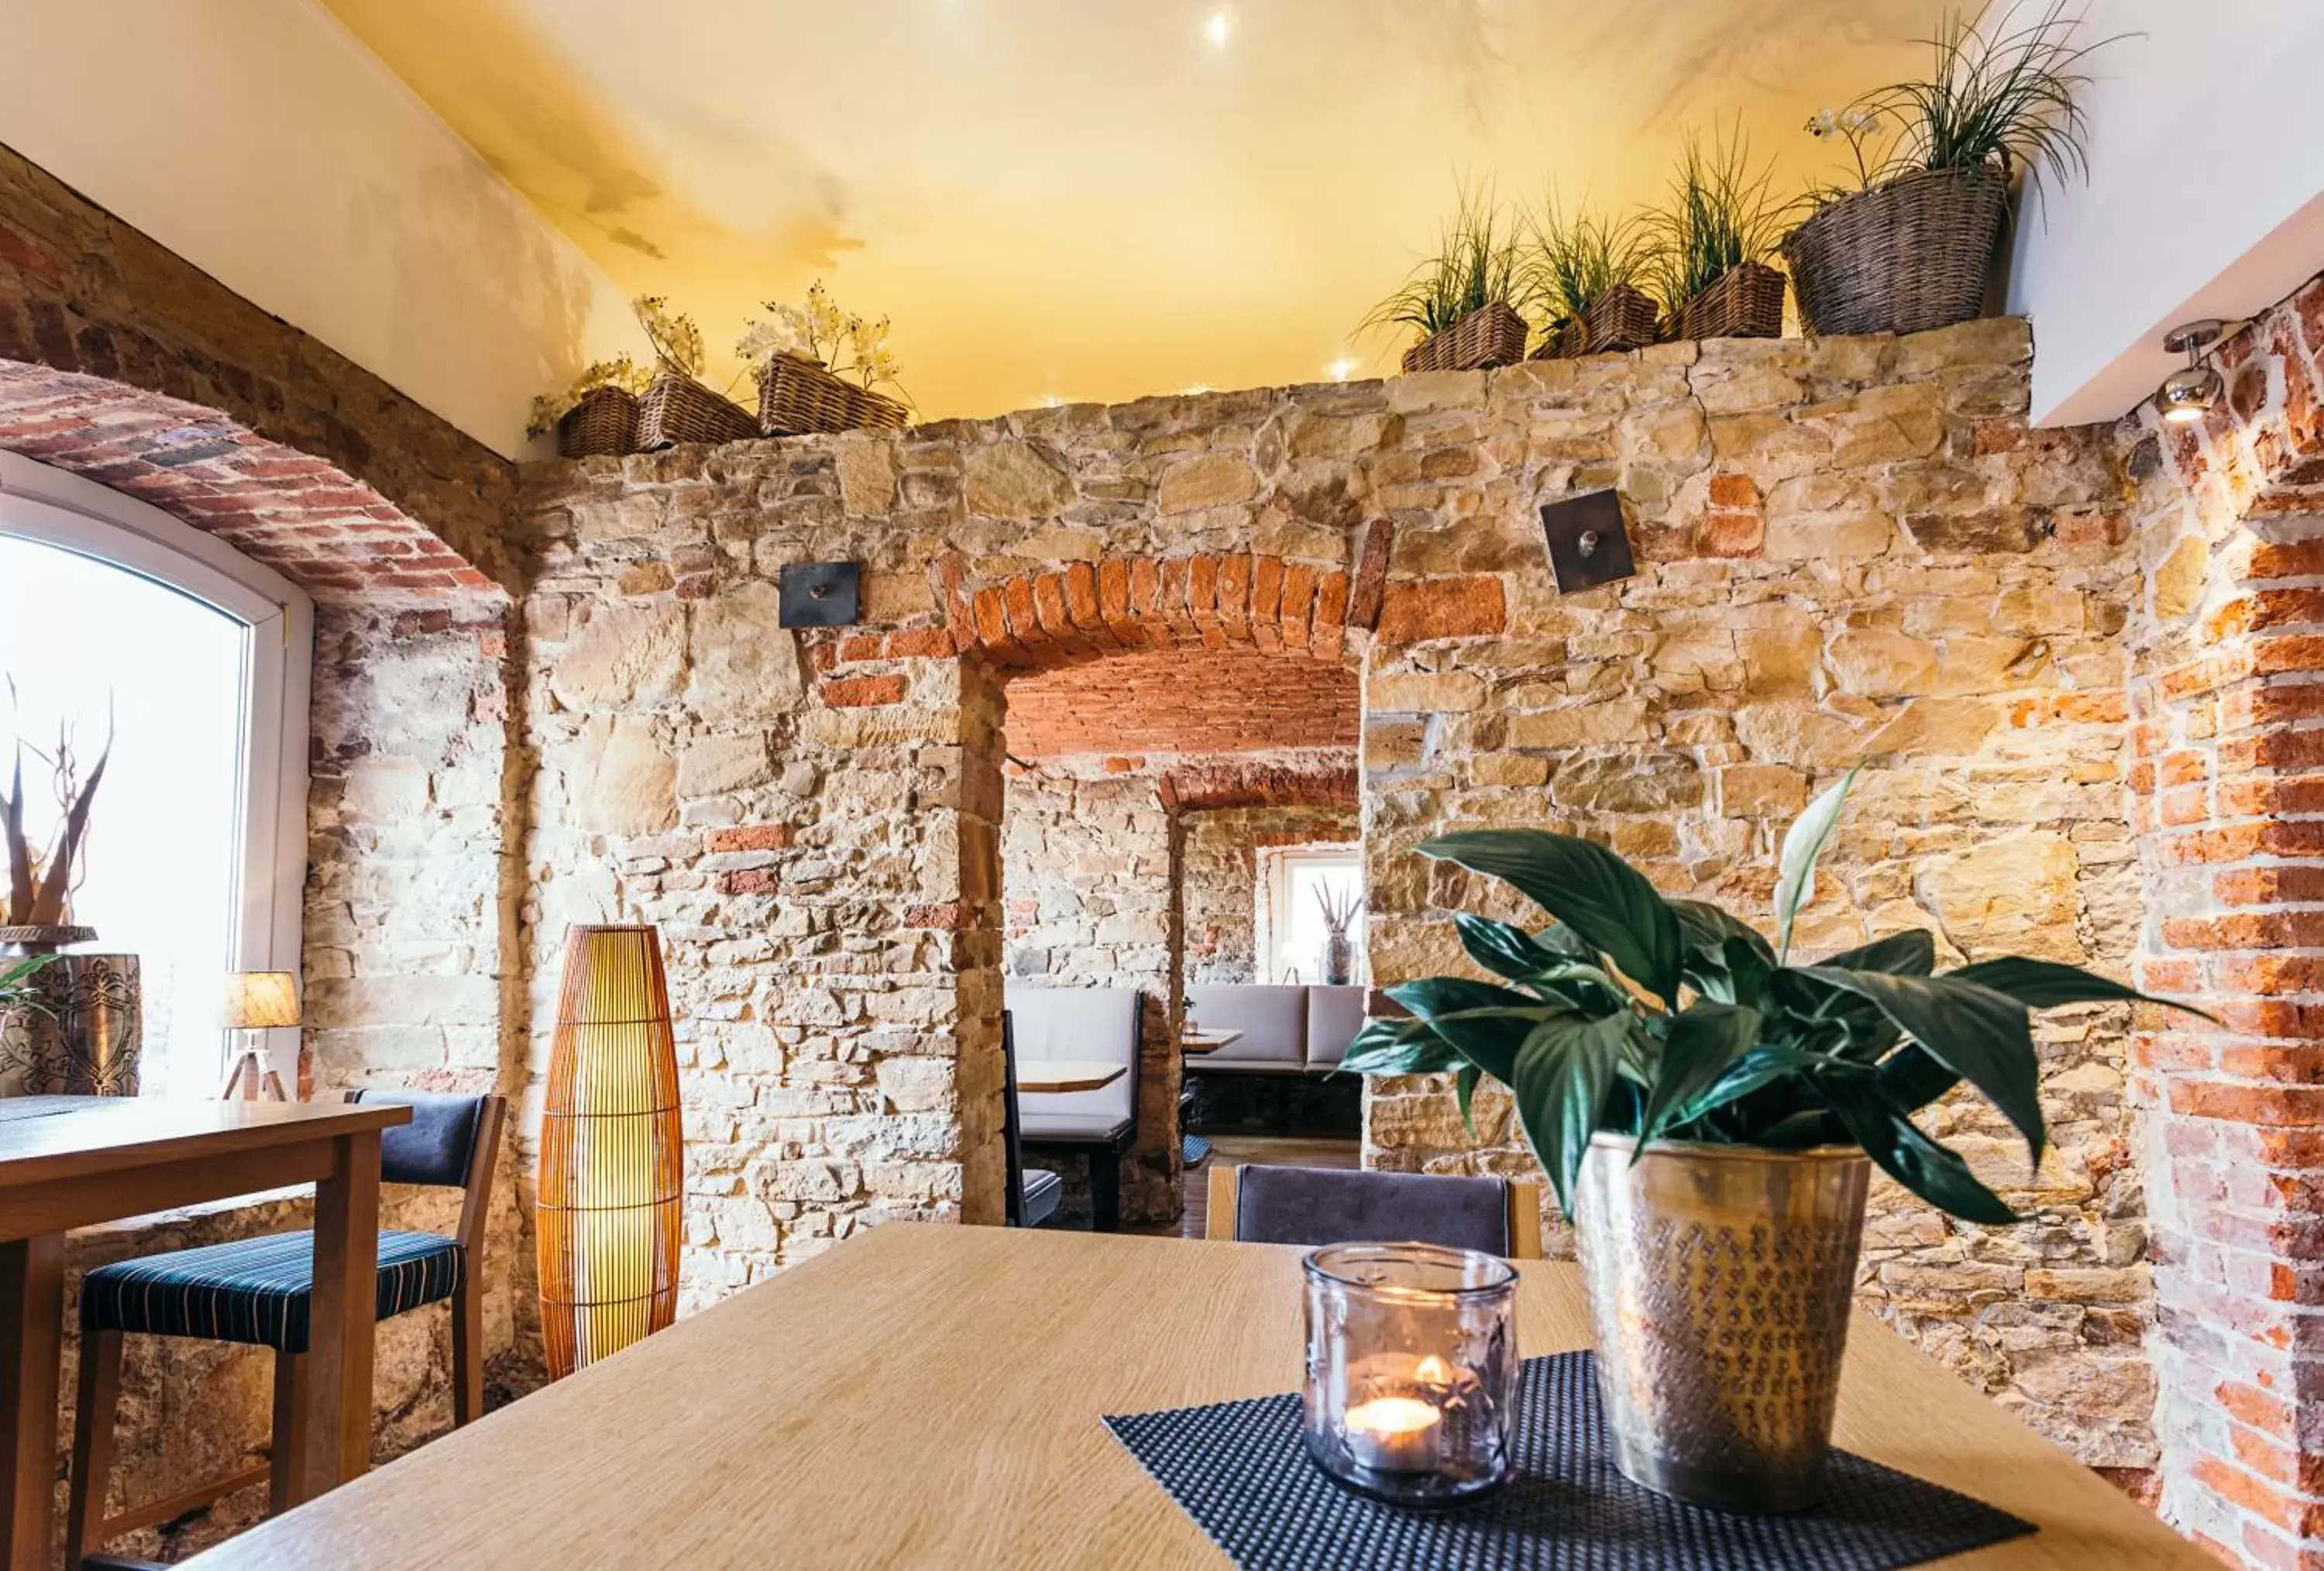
115 616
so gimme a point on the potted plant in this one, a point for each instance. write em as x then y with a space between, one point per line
597 414
1464 299
1710 241
1339 951
1584 284
1707 1110
677 407
1907 242
80 1034
819 368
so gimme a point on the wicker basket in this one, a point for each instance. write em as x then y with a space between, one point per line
796 396
1571 340
605 421
1489 336
678 409
1746 303
1901 257
1622 318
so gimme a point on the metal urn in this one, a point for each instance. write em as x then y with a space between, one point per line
86 1037
1720 1281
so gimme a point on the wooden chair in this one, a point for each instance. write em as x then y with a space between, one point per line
1319 1205
259 1290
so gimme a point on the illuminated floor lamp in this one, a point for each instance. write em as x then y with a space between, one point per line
256 1000
612 1152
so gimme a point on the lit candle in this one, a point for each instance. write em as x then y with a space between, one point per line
1394 1433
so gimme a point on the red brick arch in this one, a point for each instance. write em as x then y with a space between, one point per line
1122 604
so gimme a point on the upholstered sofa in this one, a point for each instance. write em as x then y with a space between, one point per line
1286 1030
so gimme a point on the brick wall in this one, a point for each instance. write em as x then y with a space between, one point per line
2228 635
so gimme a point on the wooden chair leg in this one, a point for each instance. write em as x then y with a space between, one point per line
467 1354
92 1460
1105 1191
290 1432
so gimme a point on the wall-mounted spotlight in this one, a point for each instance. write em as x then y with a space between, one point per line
2189 393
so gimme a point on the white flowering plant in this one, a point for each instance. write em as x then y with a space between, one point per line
620 370
845 344
677 341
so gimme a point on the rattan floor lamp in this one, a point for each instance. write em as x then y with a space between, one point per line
613 1156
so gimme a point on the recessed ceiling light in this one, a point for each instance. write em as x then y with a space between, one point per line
1341 369
1220 28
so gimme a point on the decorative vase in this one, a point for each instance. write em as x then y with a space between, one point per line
1338 959
86 1038
612 1159
1721 1279
1906 255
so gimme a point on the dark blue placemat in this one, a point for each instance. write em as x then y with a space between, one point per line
1240 1472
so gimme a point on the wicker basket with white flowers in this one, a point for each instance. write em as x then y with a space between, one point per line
819 367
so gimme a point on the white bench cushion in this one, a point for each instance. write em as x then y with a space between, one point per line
1334 1016
1098 1024
1272 1019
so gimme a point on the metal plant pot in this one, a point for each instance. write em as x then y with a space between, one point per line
87 1036
1719 1281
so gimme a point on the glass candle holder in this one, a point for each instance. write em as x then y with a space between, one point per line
1412 1370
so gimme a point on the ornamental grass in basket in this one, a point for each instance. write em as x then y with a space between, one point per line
1711 239
1905 242
677 407
819 367
1582 277
1464 299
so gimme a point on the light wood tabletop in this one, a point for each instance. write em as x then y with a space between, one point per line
930 1396
1202 1041
1068 1074
68 1163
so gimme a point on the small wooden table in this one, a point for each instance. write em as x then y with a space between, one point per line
931 1396
73 1161
1198 1042
1068 1074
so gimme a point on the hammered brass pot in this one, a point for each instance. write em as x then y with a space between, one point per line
1720 1280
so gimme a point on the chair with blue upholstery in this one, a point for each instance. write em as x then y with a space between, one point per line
260 1291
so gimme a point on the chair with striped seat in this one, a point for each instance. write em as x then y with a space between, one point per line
260 1291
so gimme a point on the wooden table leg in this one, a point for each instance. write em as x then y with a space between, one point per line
338 1438
32 1325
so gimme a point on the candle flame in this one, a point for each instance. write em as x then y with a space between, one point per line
1434 1370
1387 1416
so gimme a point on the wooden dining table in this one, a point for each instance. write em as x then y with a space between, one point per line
925 1395
72 1161
1068 1074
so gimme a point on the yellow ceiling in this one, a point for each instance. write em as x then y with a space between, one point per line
1099 199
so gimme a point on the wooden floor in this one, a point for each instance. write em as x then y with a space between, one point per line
1254 1151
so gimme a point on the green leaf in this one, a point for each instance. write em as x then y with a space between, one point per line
2042 984
1795 864
1912 1079
1702 1043
1464 1088
1906 1155
1908 954
1748 966
1504 949
1486 1023
1756 1070
1708 927
1400 1047
1587 887
1563 1073
1979 1034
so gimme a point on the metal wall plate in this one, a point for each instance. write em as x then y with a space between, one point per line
819 594
1587 543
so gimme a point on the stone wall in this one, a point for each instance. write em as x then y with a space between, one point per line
1221 885
2228 642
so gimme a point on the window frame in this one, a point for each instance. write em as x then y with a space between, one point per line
59 508
1272 889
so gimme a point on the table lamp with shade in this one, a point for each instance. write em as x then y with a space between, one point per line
255 1001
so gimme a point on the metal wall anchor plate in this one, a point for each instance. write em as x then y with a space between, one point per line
1588 545
819 594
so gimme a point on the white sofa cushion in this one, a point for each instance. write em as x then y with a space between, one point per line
1334 1016
1098 1024
1273 1021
